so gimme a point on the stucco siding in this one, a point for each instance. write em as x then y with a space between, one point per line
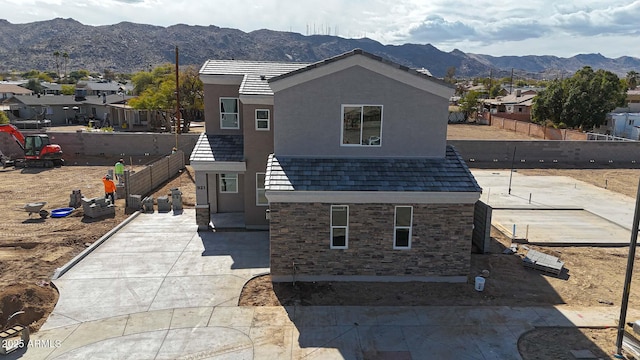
309 116
231 202
212 95
258 144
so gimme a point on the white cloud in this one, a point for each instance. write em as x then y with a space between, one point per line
539 27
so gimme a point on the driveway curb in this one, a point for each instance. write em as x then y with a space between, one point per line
63 269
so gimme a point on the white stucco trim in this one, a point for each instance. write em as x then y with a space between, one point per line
256 99
372 197
222 79
370 64
219 166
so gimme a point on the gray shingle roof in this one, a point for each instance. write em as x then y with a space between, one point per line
252 71
68 100
450 174
353 52
218 148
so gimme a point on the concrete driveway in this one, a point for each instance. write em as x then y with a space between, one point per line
556 210
158 289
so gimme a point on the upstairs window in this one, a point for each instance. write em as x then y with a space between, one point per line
361 125
339 227
262 120
402 227
229 113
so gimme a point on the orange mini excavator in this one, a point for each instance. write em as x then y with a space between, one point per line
38 149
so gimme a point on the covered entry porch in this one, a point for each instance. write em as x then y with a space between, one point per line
220 168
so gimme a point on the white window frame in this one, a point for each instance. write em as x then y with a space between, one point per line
228 176
361 125
258 188
268 120
222 114
396 227
346 228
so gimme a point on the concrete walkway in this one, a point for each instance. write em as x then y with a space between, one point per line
557 210
157 289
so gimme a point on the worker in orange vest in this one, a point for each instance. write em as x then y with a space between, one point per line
109 188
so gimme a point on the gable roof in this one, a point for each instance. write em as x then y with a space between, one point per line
450 174
14 89
66 100
358 57
512 99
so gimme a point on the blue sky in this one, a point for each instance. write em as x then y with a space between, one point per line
534 27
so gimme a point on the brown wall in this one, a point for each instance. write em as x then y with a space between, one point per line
212 95
535 130
257 147
441 242
229 202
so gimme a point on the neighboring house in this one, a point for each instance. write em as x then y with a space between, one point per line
360 184
8 91
51 88
633 102
94 88
64 109
624 125
517 103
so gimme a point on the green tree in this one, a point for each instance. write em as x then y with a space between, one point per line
77 75
108 75
494 91
469 103
68 89
581 101
191 95
34 85
155 91
56 59
632 79
4 119
65 58
450 76
30 74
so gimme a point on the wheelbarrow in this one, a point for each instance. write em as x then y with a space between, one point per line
36 207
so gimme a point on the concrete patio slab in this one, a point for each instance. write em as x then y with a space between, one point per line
109 308
559 210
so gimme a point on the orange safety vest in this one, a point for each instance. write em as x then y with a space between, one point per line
109 185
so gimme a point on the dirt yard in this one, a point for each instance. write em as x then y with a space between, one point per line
31 249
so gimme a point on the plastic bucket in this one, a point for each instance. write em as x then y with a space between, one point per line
479 283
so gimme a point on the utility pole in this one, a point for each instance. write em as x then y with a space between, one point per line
629 274
513 160
178 130
511 85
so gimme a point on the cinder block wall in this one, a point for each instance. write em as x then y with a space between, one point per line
116 143
549 154
144 181
440 246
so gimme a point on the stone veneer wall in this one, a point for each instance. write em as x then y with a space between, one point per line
440 244
203 217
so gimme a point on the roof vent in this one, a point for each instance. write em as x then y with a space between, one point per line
262 77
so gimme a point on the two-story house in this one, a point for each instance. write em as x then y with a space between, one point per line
354 169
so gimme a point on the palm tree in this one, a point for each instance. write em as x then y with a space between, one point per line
56 55
65 57
632 79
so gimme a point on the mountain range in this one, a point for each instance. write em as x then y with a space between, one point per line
129 47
